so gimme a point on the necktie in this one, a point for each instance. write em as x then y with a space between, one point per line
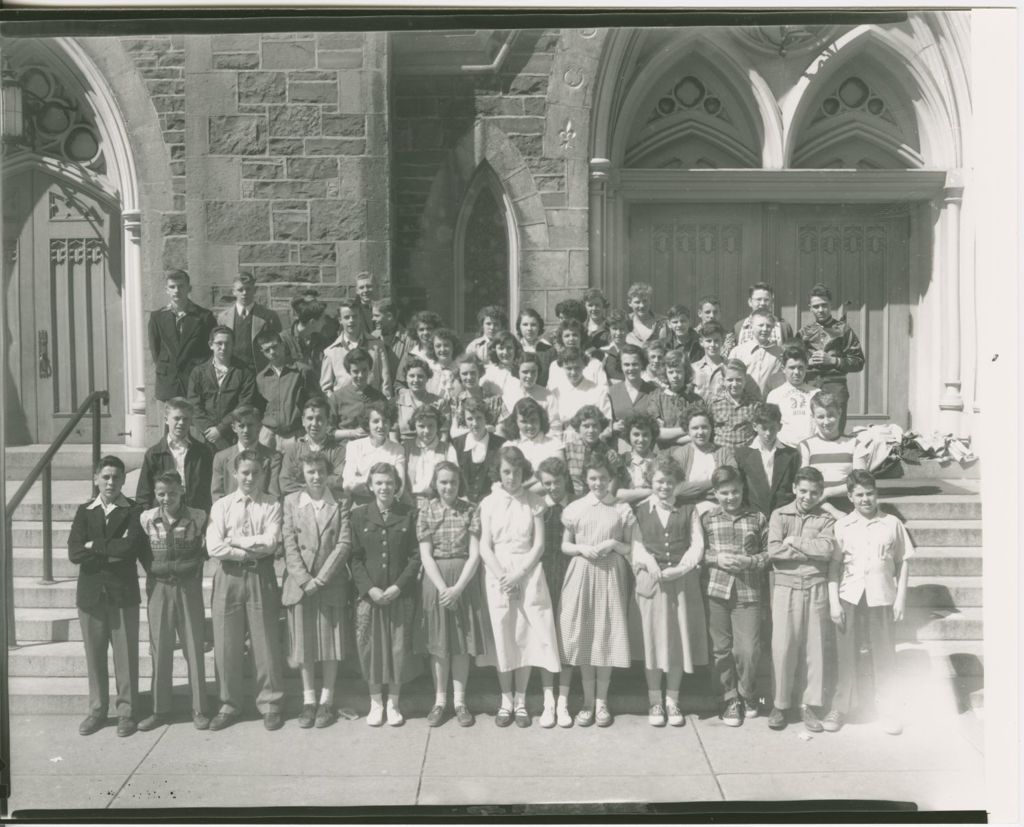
246 526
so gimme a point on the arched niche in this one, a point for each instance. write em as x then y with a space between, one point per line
693 117
486 253
859 119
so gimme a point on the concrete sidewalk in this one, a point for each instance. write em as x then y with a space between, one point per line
936 764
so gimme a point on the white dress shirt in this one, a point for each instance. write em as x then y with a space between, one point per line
571 398
120 501
767 456
764 364
224 530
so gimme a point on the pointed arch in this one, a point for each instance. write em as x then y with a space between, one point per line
913 82
484 201
623 99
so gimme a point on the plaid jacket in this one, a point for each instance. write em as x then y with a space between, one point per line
576 455
745 533
732 421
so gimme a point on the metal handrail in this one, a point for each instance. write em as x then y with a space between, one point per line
44 470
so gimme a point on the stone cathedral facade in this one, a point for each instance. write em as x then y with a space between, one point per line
472 167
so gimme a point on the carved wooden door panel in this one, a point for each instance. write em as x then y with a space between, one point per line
861 254
69 308
686 251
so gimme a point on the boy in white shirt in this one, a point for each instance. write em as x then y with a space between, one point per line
794 398
867 578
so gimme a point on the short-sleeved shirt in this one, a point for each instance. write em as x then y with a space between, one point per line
872 551
795 404
592 521
447 527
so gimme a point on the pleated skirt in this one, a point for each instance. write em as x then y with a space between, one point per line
462 629
674 623
317 631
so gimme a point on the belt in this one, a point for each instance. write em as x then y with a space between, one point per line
175 579
242 566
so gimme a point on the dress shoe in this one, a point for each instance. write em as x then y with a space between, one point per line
833 721
464 716
94 723
273 720
522 717
222 720
308 716
326 715
436 715
777 719
504 717
200 721
157 719
126 726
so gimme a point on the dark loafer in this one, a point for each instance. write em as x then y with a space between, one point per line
436 716
200 721
222 720
325 716
307 717
777 720
273 720
125 727
154 721
504 717
522 718
94 723
464 716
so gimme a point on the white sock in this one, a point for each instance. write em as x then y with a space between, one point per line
376 701
440 699
563 702
309 696
326 697
459 696
392 700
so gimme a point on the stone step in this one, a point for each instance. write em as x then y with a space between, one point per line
29 534
964 658
67 659
922 623
28 593
943 592
28 562
946 561
934 507
945 532
71 462
53 625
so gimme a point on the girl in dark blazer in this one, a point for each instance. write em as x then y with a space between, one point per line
479 470
317 543
385 563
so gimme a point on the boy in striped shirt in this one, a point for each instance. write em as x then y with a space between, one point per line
834 454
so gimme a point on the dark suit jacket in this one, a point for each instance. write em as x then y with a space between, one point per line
384 553
477 479
198 471
309 551
761 495
174 356
263 318
223 477
214 403
108 571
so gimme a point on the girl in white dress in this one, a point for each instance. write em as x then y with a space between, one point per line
511 529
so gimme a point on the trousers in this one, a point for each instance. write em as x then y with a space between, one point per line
247 597
799 620
116 627
175 611
877 622
735 630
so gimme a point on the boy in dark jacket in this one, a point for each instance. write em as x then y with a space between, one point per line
104 542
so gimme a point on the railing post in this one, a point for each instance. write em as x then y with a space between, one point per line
47 481
12 637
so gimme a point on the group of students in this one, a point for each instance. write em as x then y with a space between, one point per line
531 513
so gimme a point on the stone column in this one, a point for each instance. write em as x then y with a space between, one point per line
951 404
134 331
599 170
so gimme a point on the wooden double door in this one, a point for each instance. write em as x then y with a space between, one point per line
62 293
860 252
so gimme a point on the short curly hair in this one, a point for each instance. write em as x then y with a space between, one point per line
379 406
523 409
513 456
642 422
589 412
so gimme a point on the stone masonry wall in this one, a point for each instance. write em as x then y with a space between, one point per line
287 162
530 122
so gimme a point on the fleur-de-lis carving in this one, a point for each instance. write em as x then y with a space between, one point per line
567 135
58 251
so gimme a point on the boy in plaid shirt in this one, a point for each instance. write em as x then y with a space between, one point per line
732 406
736 557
